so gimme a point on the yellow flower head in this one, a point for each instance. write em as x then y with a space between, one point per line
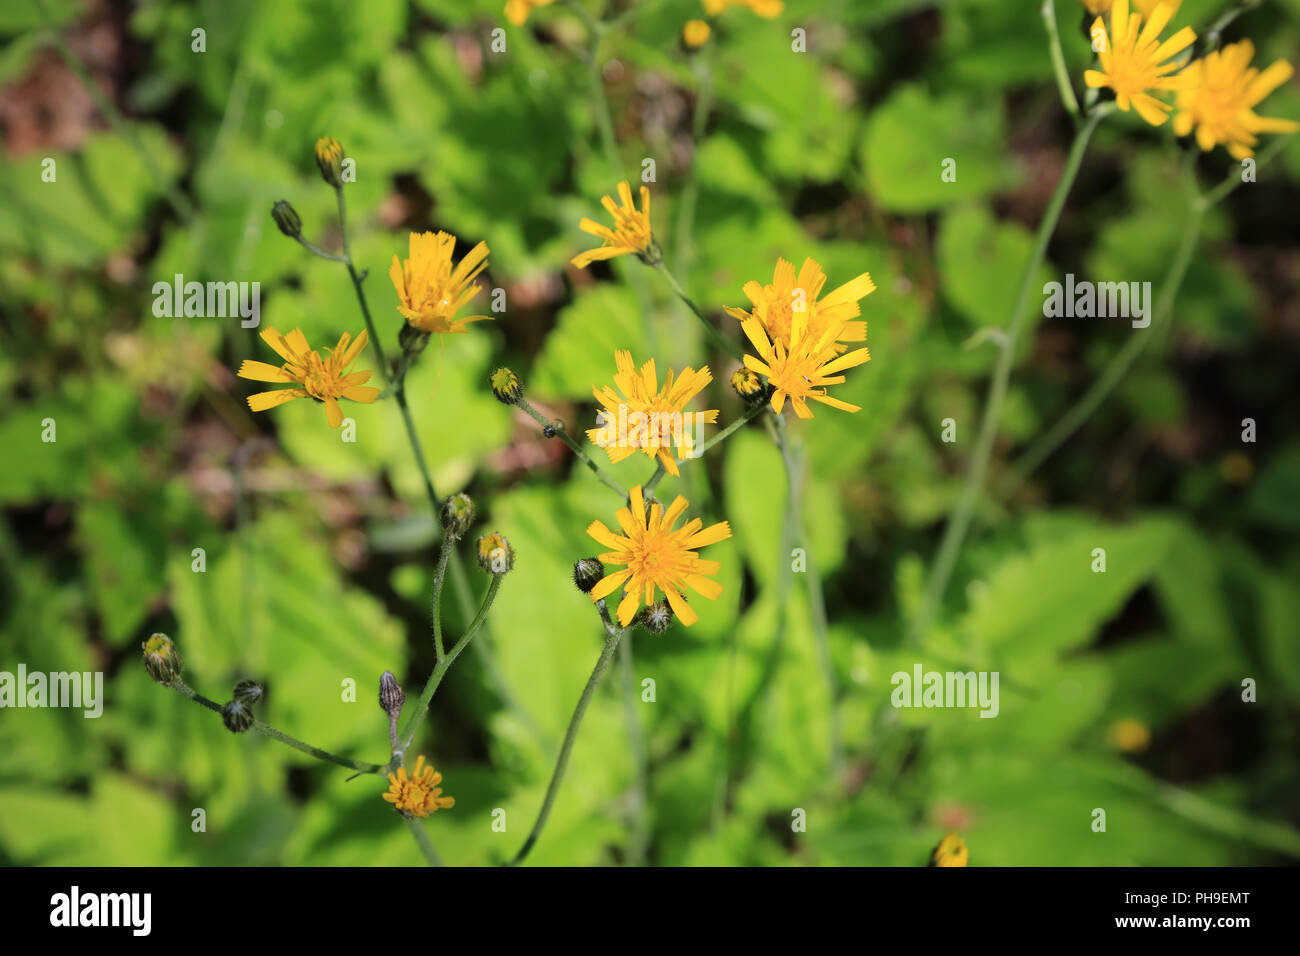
430 291
806 369
1133 60
775 305
1144 6
1129 735
656 555
764 8
1222 91
322 377
951 851
631 232
640 416
517 10
419 794
695 33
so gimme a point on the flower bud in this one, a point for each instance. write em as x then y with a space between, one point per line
495 554
695 33
286 217
657 618
237 717
161 658
587 574
248 693
329 157
749 386
391 695
506 386
457 514
412 340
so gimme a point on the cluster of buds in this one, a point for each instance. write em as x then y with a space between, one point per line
237 715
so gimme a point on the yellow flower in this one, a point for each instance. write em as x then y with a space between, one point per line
418 795
430 290
517 10
764 8
631 232
322 377
1129 735
951 851
695 33
1145 6
774 305
1223 89
657 556
640 415
804 371
1133 59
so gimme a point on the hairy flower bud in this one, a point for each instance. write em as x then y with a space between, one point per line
749 386
287 218
161 658
237 717
495 554
248 693
657 618
587 574
329 157
391 695
457 514
506 386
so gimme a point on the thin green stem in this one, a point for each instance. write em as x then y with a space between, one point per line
1212 36
960 518
718 338
266 730
422 840
175 198
375 340
792 460
1063 83
440 572
1233 180
570 737
637 836
440 669
318 251
750 414
557 427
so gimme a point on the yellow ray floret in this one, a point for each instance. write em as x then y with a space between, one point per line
630 234
1145 7
804 371
1133 60
775 304
322 377
764 8
657 556
1219 101
419 794
430 290
517 10
638 415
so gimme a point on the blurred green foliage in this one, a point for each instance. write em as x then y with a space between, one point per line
318 572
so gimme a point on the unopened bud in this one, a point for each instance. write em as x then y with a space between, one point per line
657 617
329 157
287 218
248 693
161 658
391 695
587 574
237 717
506 386
457 515
495 554
749 386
